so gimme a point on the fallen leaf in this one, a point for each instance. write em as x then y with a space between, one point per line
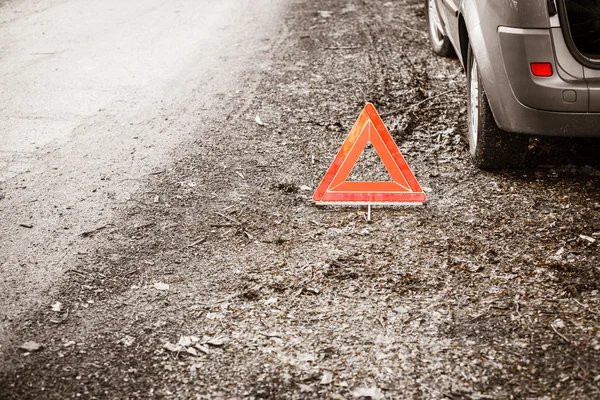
305 388
368 392
215 342
57 307
194 339
327 378
192 351
401 310
30 346
558 323
277 340
185 341
172 347
589 239
197 366
312 290
306 357
203 349
272 300
126 341
349 8
161 286
259 121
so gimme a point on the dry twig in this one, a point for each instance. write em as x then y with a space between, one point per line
93 231
559 334
228 218
586 307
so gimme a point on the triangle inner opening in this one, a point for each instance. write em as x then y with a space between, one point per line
369 167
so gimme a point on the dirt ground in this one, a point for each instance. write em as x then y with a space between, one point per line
223 280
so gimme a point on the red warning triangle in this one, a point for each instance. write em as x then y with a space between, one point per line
403 188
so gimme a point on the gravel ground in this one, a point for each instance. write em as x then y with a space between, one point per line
222 280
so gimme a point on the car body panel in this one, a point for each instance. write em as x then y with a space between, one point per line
570 69
592 76
521 47
449 15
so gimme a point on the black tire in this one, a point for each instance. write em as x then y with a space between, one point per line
490 147
440 44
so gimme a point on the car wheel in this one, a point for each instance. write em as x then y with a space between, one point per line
490 147
437 33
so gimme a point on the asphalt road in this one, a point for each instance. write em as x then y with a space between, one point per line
97 95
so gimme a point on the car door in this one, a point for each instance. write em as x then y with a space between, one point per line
592 76
448 10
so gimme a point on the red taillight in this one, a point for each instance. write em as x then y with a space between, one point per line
541 69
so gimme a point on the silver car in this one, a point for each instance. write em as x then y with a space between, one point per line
532 66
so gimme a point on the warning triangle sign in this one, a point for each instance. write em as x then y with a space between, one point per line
402 189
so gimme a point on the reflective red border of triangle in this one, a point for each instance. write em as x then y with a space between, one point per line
403 188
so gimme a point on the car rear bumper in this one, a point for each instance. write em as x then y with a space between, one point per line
558 105
560 92
548 123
